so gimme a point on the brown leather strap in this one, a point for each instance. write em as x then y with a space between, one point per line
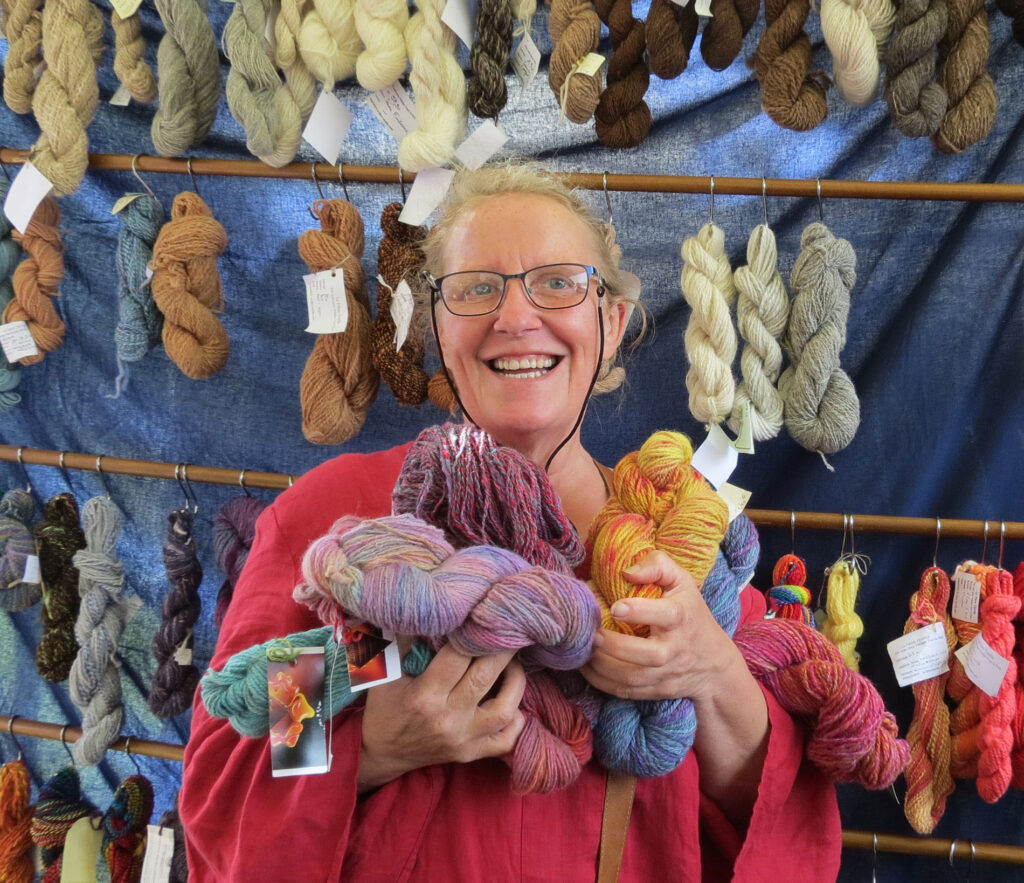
618 804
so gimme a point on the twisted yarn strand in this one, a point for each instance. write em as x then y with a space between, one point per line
23 27
187 289
16 545
917 103
381 28
855 31
287 28
670 30
723 35
575 31
58 537
234 529
710 339
328 40
622 117
10 253
843 626
16 863
139 322
130 58
486 92
123 844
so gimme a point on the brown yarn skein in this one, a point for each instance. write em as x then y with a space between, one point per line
670 31
487 93
963 55
36 279
187 288
339 382
622 117
575 30
441 393
130 58
398 257
723 34
1014 9
790 94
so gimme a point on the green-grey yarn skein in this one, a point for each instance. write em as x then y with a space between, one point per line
16 546
139 321
821 410
10 374
916 102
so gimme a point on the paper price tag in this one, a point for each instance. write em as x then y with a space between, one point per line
149 276
121 98
703 7
966 597
425 195
81 849
17 342
183 655
716 458
459 15
736 498
591 64
920 655
156 866
983 666
402 307
327 126
124 202
126 8
326 301
394 108
28 189
31 574
483 142
526 60
745 438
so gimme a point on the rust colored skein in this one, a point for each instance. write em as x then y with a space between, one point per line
15 823
670 30
723 34
187 289
339 382
36 279
622 118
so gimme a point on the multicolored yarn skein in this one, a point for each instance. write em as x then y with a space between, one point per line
486 93
965 716
124 828
17 545
917 102
176 678
58 537
669 31
187 289
234 529
16 813
10 254
23 27
339 382
842 625
622 117
130 58
722 40
60 804
575 32
789 597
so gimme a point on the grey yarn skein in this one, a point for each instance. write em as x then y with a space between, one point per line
917 103
188 77
821 409
139 321
94 682
16 545
10 252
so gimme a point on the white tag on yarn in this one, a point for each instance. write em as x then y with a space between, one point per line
526 60
17 341
149 277
124 202
327 126
402 308
716 458
425 195
31 575
966 597
183 652
745 438
459 15
156 866
683 3
920 655
394 108
121 98
983 666
28 189
483 142
126 8
703 7
326 301
590 65
736 498
81 849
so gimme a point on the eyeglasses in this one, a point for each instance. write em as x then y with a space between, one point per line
478 292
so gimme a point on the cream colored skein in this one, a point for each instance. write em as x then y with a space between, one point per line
381 26
24 31
710 338
524 11
762 311
287 56
258 99
855 32
328 40
439 87
575 29
843 626
130 58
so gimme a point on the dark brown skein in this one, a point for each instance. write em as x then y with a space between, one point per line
622 118
487 92
670 31
723 34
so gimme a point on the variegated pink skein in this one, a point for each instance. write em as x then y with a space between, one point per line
1017 755
851 737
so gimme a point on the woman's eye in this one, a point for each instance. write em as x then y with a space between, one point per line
556 283
481 289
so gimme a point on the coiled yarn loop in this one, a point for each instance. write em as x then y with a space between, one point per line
381 26
16 546
234 529
722 40
124 828
130 58
10 254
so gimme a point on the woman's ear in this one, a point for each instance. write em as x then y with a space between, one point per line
616 317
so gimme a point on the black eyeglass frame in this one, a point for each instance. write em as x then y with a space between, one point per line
436 295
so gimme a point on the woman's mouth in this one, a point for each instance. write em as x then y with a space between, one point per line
524 367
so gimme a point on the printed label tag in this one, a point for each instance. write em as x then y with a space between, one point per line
966 596
327 126
31 576
298 734
402 307
121 98
425 195
526 60
27 190
983 666
736 498
371 655
716 458
326 301
81 849
459 15
126 8
156 866
124 202
920 655
17 342
394 108
483 142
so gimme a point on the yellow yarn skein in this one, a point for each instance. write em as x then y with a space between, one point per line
843 626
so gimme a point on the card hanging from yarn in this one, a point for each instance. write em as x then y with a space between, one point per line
10 254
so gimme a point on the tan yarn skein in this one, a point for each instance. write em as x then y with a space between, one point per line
575 31
963 57
24 31
670 30
723 35
287 56
36 279
186 287
790 94
622 117
130 58
916 102
328 40
339 382
381 27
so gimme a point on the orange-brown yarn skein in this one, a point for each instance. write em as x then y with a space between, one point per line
398 256
723 34
622 118
186 287
441 393
670 31
339 382
36 279
15 823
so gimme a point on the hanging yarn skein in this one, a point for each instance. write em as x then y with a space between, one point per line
1017 754
762 311
439 88
398 257
821 409
710 339
176 678
843 626
187 288
188 77
622 117
130 58
670 30
10 254
36 279
124 828
16 823
179 862
234 529
575 31
722 40
60 804
58 537
17 548
486 92
1014 10
381 28
917 103
855 32
23 27
287 28
789 597
328 40
339 382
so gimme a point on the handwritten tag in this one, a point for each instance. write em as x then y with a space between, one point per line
17 341
983 666
459 15
156 865
736 498
27 190
31 576
326 301
298 734
126 8
402 308
425 195
966 596
121 98
526 60
124 202
483 142
394 108
920 655
716 458
327 126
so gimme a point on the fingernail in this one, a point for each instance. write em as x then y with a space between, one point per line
598 639
630 571
619 609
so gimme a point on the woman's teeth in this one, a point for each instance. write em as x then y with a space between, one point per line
530 366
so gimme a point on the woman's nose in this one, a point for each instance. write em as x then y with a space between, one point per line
517 312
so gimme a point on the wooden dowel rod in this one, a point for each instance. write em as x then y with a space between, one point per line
724 186
938 848
23 726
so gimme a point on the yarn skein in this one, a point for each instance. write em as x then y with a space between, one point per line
439 87
855 31
328 40
622 117
917 103
486 91
670 30
18 545
36 279
381 28
123 844
1017 754
234 529
179 862
58 538
60 804
130 58
929 782
440 392
789 597
339 382
95 681
790 94
188 77
821 409
16 823
575 31
762 311
843 626
176 677
23 27
1014 9
287 28
722 40
398 257
966 715
187 288
710 339
10 254
258 99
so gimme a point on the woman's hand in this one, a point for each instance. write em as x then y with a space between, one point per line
441 716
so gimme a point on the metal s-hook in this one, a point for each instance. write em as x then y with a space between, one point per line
712 189
99 472
938 533
821 209
64 469
21 463
291 480
139 177
607 197
1002 542
792 532
63 742
764 199
984 543
241 482
401 182
132 757
853 540
191 177
341 178
874 858
181 475
316 181
10 732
